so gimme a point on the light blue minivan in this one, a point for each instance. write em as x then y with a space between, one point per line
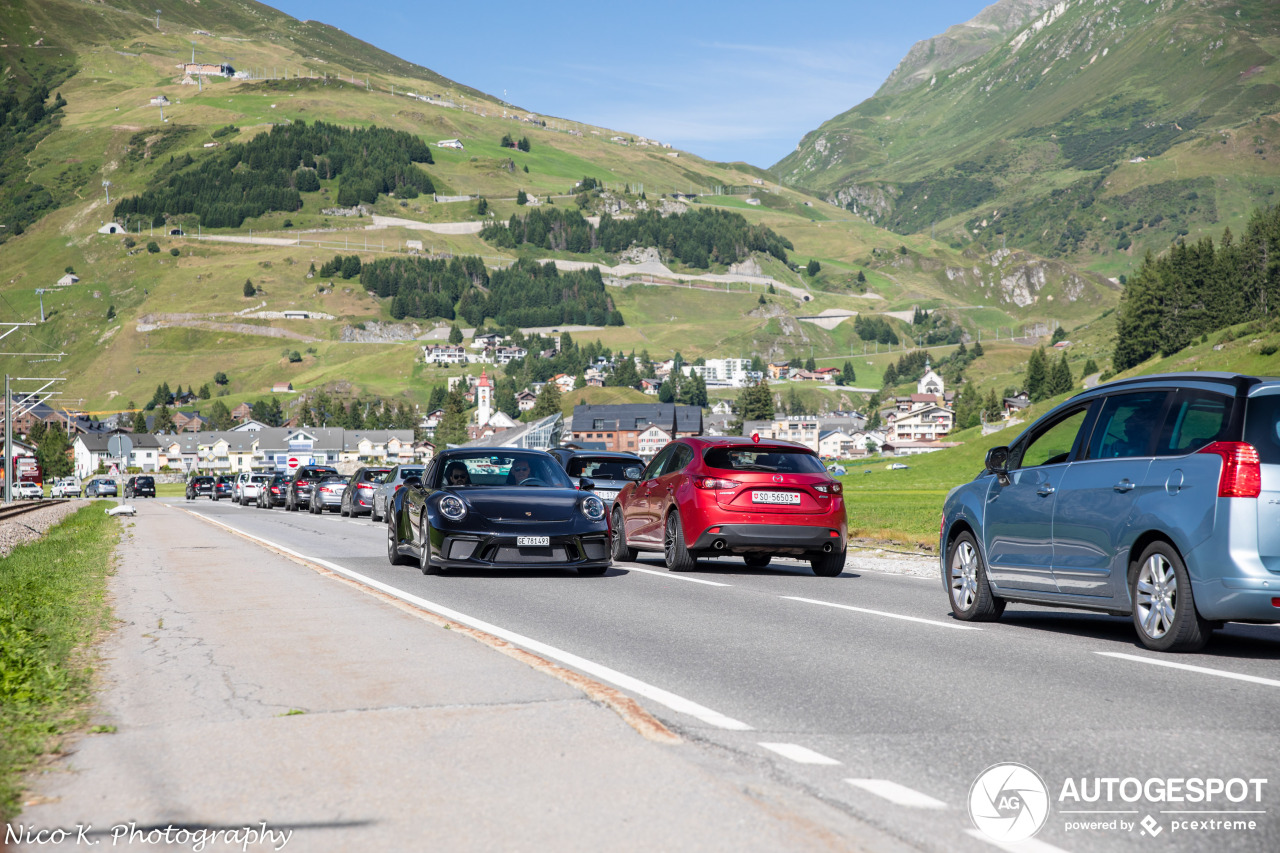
1156 497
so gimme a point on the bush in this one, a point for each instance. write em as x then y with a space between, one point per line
174 251
249 289
295 357
129 242
153 247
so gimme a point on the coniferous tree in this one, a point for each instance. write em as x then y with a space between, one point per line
847 375
1037 378
548 402
1060 380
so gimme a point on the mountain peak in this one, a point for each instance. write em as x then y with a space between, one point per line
962 43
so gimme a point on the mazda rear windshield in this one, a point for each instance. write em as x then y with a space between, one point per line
776 460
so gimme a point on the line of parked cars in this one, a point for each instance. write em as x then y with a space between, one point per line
700 496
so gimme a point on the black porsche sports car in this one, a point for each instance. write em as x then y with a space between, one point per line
498 508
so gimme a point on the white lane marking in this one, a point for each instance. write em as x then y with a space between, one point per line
671 576
957 626
799 754
895 793
1029 845
1203 670
604 673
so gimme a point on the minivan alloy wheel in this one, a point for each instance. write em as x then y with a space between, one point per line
1164 608
964 575
1157 600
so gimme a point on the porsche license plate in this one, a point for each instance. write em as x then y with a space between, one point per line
775 497
533 541
606 495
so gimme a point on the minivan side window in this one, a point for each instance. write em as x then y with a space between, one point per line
1127 425
1053 445
1196 419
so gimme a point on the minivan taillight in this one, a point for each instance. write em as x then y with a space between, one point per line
1241 475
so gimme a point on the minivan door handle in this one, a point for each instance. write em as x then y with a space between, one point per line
1124 486
1045 490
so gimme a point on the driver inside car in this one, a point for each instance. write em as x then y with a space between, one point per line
456 474
520 471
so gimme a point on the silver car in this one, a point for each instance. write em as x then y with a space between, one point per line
327 494
1153 498
384 491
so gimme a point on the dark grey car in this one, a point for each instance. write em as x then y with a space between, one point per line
609 470
1156 497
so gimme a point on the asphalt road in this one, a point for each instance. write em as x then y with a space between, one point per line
864 692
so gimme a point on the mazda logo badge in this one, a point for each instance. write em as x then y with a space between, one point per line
777 478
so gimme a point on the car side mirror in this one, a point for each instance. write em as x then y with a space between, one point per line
633 473
412 481
997 463
586 484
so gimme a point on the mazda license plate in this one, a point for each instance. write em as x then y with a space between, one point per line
775 497
533 541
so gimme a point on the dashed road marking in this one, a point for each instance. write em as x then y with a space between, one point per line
955 625
895 793
799 754
630 568
1203 670
1029 845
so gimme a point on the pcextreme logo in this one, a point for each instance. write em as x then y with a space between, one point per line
1009 802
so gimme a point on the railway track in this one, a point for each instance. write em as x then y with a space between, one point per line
18 508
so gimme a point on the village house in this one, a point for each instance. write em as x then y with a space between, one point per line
526 400
926 423
444 354
619 427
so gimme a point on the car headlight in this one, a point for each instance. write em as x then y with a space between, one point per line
452 508
592 507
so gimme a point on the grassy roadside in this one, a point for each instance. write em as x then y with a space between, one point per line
52 606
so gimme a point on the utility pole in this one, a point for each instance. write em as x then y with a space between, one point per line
8 442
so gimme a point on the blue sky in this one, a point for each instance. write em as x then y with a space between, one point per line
726 81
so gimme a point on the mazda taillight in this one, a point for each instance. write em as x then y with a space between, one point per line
829 488
1241 475
715 483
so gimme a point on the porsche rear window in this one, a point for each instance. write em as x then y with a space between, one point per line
779 460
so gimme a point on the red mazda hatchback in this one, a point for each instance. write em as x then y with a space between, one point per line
713 495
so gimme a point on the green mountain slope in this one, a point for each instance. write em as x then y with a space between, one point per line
1093 133
139 318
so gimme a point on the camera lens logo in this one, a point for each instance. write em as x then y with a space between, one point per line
1009 802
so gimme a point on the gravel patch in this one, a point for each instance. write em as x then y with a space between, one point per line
32 525
893 562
